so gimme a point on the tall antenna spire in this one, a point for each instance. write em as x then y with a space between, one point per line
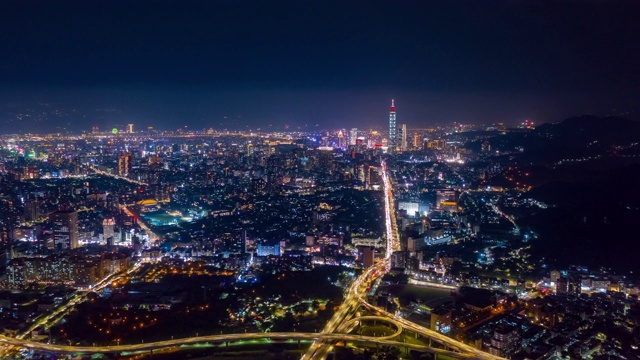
393 131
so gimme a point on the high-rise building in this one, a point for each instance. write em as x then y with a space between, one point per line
31 210
342 141
403 138
130 128
353 136
65 228
124 164
392 129
108 231
416 142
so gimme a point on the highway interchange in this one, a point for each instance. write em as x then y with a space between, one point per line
337 328
217 339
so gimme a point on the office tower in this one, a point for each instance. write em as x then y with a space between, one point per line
130 128
416 141
342 141
108 230
353 136
31 210
392 129
124 164
65 228
403 138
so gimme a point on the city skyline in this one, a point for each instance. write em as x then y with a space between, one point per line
461 233
319 179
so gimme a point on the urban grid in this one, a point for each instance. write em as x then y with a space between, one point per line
399 234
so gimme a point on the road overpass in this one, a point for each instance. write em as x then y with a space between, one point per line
337 329
357 295
220 339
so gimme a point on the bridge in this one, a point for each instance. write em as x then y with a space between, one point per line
221 340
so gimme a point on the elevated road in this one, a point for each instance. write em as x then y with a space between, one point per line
357 295
447 342
217 339
76 299
345 311
354 322
320 349
393 239
337 329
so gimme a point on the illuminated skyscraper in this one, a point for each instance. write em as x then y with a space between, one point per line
342 141
392 129
65 228
108 230
403 137
124 164
353 136
31 210
130 128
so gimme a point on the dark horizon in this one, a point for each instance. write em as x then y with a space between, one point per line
336 64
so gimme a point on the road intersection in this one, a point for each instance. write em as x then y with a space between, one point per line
337 328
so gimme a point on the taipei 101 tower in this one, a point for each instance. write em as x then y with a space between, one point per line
393 133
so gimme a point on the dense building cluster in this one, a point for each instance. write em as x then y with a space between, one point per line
76 270
264 231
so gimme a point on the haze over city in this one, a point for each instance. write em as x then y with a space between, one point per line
249 64
313 180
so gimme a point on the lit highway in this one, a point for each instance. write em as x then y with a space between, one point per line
319 349
506 216
448 342
351 324
213 339
100 172
357 292
393 240
77 298
337 328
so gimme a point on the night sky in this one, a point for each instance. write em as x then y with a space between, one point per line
238 64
